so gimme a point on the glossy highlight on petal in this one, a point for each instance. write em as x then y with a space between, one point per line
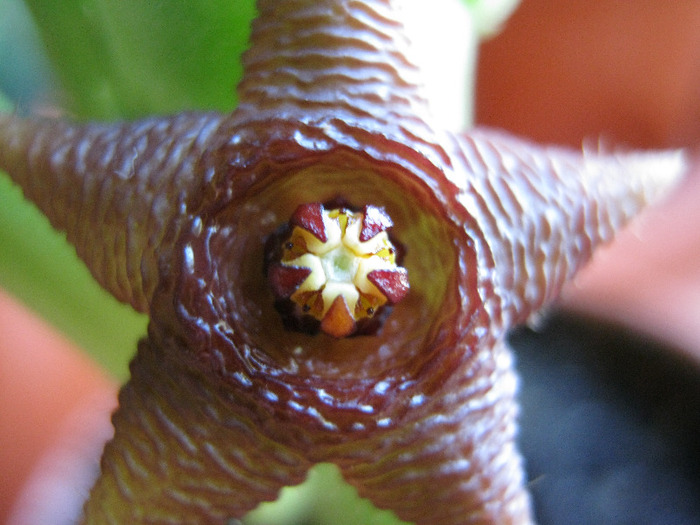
392 283
374 221
307 210
115 189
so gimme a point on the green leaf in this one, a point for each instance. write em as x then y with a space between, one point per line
127 58
324 498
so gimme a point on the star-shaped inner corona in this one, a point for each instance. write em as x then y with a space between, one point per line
336 268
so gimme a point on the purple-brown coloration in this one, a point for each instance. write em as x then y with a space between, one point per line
225 406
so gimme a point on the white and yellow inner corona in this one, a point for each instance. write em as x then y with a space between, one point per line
339 266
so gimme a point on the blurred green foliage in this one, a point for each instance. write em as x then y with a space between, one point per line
127 58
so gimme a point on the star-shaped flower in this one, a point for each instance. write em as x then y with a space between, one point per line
215 224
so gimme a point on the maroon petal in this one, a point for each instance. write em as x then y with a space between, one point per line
375 221
392 283
284 280
310 217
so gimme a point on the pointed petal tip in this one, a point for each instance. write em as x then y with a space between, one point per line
284 280
338 321
310 217
392 283
374 221
652 173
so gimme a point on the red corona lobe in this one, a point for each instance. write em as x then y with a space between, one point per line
285 280
392 283
310 217
374 221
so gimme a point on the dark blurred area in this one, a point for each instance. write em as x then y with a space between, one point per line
609 426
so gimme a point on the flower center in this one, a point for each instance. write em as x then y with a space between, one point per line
337 267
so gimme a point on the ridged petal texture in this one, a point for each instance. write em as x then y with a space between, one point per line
349 58
115 189
543 210
174 461
225 406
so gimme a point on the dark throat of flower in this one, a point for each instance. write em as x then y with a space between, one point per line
335 270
